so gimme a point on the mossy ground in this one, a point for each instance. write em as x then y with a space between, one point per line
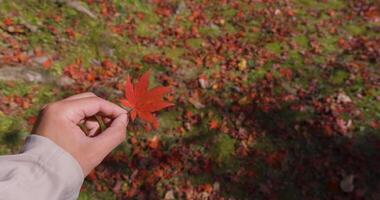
96 39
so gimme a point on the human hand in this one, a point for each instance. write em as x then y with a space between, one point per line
59 121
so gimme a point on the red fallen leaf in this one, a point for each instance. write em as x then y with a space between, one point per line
163 12
333 185
107 64
38 52
343 43
32 120
70 33
21 57
274 159
92 176
140 15
47 64
158 172
373 14
91 77
206 188
375 124
144 101
8 21
286 73
213 124
154 142
57 18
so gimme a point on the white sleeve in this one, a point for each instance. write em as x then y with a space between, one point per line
42 171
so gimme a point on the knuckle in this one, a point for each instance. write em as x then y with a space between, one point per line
51 108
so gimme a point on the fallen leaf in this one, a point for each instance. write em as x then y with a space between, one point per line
343 98
8 21
203 82
214 124
242 64
47 64
169 195
347 183
154 142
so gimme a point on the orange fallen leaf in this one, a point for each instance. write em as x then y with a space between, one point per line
47 64
213 124
154 142
8 21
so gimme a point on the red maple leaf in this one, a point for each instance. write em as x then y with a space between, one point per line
8 21
144 101
213 124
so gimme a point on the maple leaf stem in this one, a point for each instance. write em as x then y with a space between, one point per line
84 129
101 123
127 109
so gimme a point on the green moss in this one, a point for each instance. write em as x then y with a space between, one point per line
294 59
302 41
42 97
147 30
194 42
18 89
223 149
338 77
355 29
229 28
96 196
315 4
12 138
251 37
41 37
336 4
329 44
184 22
319 59
228 12
84 196
201 179
212 31
370 105
5 124
265 144
274 47
257 74
10 133
174 53
289 191
168 120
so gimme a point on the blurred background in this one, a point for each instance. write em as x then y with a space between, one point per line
274 99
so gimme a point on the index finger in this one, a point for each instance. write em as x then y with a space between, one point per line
79 109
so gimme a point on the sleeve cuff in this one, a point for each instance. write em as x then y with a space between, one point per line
57 161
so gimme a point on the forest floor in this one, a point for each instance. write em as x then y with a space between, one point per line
273 99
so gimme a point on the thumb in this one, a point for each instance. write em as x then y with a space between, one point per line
112 136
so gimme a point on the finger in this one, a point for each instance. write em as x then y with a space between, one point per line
92 127
79 96
112 136
79 109
107 120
